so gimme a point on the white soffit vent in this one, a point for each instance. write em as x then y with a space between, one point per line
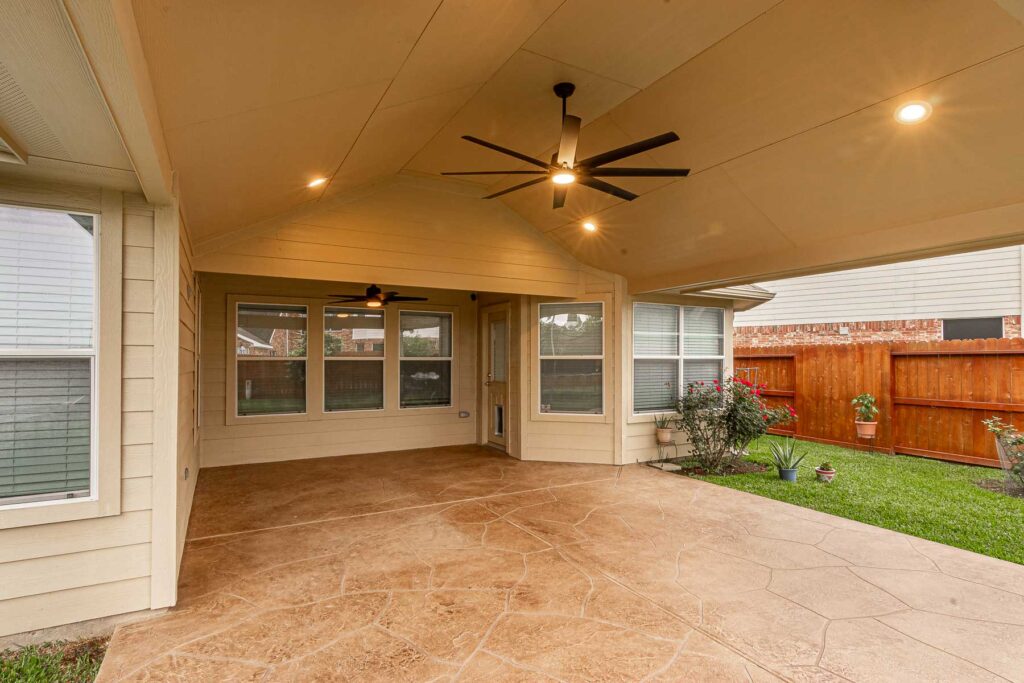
17 113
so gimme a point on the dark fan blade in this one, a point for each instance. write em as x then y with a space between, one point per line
640 172
567 143
506 150
560 192
493 172
353 297
516 187
347 301
606 187
407 298
628 150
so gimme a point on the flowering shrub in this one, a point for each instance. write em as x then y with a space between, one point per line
721 418
1013 444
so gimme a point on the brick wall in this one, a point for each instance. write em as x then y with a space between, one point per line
858 332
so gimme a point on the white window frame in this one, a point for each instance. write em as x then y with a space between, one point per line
450 358
678 357
541 358
233 340
681 358
104 496
382 359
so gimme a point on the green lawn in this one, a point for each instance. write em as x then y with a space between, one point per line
936 500
57 662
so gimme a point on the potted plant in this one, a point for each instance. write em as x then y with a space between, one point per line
867 425
825 472
786 459
663 429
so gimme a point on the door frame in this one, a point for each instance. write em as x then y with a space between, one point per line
483 407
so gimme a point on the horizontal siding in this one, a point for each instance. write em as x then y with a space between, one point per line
977 284
86 569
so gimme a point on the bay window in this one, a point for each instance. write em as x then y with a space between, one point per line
270 353
572 358
425 359
674 346
48 355
353 359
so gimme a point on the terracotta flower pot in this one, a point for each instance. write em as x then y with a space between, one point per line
866 430
664 435
824 475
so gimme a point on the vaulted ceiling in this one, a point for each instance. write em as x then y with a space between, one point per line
784 109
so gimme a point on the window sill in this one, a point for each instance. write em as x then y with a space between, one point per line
53 511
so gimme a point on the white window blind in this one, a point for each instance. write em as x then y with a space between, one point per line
572 358
270 354
674 346
655 357
425 363
353 359
47 354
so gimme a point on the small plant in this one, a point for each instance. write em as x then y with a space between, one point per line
1012 442
826 467
866 407
784 454
825 472
663 421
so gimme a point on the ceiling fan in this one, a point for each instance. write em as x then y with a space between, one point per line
564 169
374 298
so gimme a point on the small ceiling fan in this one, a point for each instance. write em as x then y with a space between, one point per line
564 169
374 298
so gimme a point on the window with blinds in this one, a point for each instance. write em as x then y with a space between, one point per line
47 354
572 358
674 346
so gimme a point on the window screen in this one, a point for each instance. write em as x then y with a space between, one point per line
425 366
571 358
47 296
270 344
972 328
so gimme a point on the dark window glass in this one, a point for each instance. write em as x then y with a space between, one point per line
972 328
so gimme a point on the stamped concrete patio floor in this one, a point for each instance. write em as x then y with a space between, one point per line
462 564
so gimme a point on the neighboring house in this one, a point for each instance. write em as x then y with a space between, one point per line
976 295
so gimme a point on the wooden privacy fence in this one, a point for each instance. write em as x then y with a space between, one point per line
932 395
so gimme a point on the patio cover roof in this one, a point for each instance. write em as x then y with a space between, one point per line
784 108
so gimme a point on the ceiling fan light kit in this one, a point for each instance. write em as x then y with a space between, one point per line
374 298
564 169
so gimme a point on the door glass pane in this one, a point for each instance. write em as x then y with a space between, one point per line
426 335
426 383
655 330
269 387
571 330
46 279
271 330
353 332
498 351
353 385
655 384
570 386
45 428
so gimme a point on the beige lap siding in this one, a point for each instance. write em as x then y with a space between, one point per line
64 572
188 444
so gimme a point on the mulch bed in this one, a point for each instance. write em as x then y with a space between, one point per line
689 467
996 486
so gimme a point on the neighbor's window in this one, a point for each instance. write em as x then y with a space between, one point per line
972 328
47 354
661 364
270 352
353 359
425 359
572 358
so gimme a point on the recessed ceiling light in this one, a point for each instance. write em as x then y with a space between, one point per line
563 178
589 227
316 182
913 112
